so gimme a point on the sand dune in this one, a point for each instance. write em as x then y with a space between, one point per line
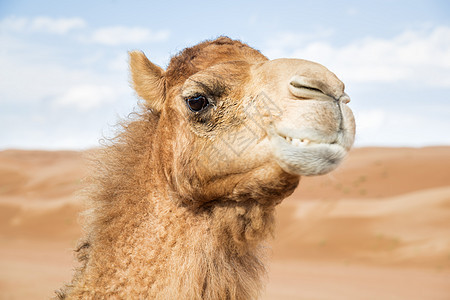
377 228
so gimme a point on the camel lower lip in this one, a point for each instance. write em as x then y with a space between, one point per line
306 157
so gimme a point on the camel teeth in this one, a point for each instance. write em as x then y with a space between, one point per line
297 142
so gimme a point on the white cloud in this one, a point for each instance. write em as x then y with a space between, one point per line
352 11
41 24
119 63
383 127
289 41
420 57
118 35
370 120
58 26
25 79
110 36
14 24
253 19
88 96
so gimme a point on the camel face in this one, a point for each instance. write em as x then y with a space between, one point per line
232 123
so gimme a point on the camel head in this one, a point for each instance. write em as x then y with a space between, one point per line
232 125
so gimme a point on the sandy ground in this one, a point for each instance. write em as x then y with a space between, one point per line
377 228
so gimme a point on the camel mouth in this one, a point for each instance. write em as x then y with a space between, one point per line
307 153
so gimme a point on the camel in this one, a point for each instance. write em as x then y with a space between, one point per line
183 198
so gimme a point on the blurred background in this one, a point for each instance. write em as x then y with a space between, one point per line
378 228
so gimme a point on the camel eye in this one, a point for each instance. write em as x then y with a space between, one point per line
197 103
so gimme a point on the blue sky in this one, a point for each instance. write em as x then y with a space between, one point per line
64 78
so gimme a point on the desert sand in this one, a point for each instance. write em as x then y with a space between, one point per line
377 228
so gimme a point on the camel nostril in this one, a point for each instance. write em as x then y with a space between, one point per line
303 88
297 83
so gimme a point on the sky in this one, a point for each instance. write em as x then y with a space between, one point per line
65 83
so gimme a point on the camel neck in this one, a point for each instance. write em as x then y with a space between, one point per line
161 250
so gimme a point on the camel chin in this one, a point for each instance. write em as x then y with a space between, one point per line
305 154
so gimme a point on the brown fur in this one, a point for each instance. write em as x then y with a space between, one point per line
168 219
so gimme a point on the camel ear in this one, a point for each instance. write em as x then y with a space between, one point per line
148 80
